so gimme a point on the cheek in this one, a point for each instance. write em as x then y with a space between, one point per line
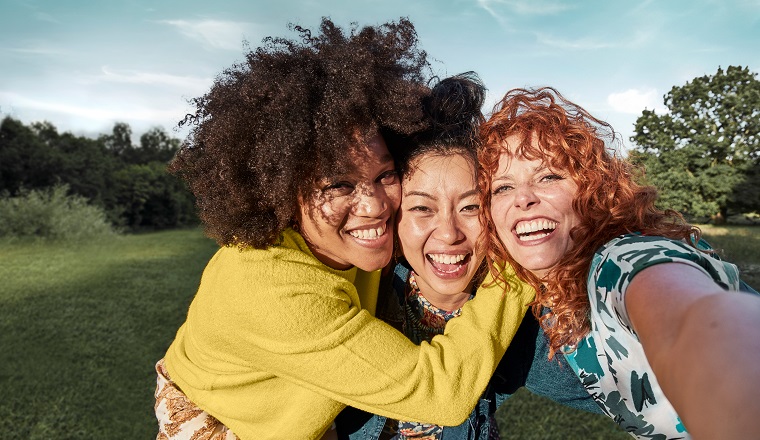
473 228
394 196
333 212
499 210
411 231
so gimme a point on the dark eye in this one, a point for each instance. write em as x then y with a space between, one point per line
389 177
552 177
419 208
501 189
471 208
338 189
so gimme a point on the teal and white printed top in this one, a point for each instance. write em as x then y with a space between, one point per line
610 360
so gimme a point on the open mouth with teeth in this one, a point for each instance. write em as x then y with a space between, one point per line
368 234
447 264
534 229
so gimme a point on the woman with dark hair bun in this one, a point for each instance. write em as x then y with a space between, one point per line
290 159
441 264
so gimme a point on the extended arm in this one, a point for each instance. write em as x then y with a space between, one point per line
704 346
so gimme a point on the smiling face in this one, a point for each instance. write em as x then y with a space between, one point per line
532 209
348 220
438 227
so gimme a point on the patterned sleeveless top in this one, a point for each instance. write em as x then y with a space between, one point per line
610 361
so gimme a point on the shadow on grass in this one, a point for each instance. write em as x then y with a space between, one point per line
78 355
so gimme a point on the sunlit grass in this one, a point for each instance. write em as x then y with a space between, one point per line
739 245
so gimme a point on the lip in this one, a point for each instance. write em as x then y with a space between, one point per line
374 243
532 242
530 219
459 270
535 242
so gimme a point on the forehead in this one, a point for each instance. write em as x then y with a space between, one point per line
361 154
512 157
371 146
441 170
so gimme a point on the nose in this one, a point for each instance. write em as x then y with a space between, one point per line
370 202
447 230
525 197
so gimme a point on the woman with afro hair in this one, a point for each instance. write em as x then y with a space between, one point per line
289 158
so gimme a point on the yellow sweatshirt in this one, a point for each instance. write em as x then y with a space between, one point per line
276 344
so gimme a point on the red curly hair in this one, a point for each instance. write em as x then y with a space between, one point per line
609 201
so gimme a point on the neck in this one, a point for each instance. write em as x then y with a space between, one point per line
448 302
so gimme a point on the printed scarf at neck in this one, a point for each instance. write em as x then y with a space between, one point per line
422 321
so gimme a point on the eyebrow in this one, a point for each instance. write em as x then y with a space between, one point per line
387 158
473 192
418 193
508 176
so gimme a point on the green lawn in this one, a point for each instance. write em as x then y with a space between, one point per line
81 327
739 245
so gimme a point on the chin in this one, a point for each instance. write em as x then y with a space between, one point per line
450 289
373 264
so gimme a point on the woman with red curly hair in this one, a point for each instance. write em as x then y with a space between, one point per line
625 291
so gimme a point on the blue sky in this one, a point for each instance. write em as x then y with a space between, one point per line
84 64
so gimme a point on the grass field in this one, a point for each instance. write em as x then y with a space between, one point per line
739 245
81 327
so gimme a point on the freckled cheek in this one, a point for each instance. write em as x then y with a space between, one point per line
334 212
499 210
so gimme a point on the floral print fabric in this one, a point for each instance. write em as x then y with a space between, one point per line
421 322
179 418
610 361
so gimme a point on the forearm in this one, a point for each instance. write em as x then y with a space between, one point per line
711 374
380 371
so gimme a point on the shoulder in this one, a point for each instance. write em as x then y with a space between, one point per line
623 257
287 268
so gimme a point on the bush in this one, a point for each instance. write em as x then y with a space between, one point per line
51 214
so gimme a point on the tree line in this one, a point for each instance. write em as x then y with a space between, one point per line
703 155
129 182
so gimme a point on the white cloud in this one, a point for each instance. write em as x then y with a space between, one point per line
526 7
191 84
634 101
139 113
213 34
39 50
579 44
638 39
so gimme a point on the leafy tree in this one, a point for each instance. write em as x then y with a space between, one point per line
83 164
703 155
129 182
26 160
149 197
156 145
120 139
